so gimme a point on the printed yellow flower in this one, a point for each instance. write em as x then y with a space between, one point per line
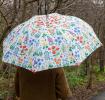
43 42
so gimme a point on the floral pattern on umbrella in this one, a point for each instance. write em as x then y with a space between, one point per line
51 41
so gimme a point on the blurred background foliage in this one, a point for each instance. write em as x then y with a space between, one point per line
14 12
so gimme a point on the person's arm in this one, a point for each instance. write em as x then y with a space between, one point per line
17 84
62 87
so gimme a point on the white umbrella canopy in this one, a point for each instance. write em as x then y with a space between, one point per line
50 41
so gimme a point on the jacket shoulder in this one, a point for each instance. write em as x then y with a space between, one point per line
58 70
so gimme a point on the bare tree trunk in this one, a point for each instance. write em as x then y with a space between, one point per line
86 67
90 74
101 62
89 86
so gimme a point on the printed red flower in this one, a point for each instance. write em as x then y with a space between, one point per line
57 60
57 48
54 52
80 39
24 46
53 49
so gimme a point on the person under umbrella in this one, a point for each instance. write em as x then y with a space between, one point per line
44 85
42 44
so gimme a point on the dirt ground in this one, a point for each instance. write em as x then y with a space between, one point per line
81 93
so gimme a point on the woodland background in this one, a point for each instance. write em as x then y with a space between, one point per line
86 80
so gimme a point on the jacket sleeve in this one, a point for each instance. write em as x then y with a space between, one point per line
17 83
61 85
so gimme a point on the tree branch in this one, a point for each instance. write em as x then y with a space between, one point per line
4 17
31 2
23 11
57 5
2 3
72 3
9 25
15 11
4 34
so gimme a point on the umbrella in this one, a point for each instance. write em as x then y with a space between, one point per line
49 41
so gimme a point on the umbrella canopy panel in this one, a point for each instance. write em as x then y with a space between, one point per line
51 41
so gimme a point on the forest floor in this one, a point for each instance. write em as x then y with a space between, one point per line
79 83
100 96
82 93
